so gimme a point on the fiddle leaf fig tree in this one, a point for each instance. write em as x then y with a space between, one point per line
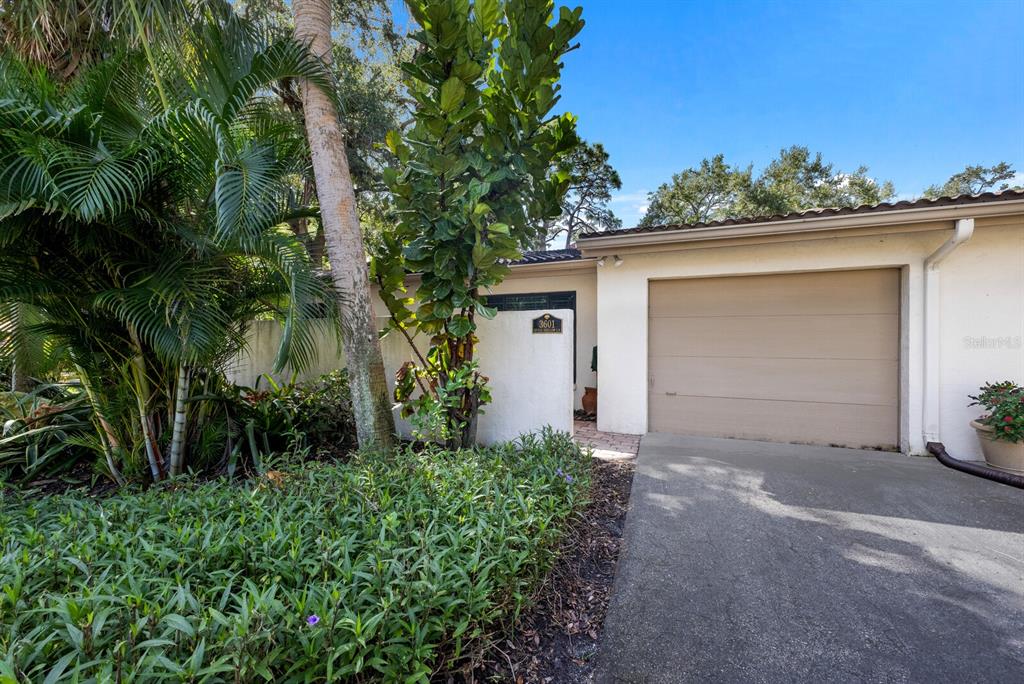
479 170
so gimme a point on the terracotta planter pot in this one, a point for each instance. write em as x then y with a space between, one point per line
999 453
589 400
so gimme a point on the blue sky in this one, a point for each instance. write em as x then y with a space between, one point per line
914 90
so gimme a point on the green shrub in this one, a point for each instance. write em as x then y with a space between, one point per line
1004 406
408 560
319 411
42 432
324 412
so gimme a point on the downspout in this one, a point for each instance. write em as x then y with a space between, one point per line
962 232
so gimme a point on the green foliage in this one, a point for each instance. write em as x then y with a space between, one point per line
709 192
974 180
64 36
145 239
474 175
436 415
365 55
31 353
324 413
800 180
585 205
410 561
42 431
1004 406
277 417
795 181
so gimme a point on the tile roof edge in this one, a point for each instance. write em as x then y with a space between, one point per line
821 212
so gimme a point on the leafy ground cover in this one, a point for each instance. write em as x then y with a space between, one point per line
388 567
557 639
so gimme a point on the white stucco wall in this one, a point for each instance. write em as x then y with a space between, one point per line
582 281
982 324
994 295
263 339
530 374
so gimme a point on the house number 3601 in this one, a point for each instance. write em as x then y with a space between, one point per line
547 324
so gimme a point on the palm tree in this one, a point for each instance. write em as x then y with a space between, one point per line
344 241
147 238
65 36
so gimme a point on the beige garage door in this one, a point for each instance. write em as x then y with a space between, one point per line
806 357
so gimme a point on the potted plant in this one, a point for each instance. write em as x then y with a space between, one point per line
1001 429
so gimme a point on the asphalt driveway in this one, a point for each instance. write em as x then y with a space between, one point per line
748 561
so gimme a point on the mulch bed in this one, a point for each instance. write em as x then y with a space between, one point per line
557 640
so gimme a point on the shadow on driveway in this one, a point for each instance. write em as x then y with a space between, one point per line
750 561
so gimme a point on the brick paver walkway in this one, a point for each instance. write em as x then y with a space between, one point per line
607 445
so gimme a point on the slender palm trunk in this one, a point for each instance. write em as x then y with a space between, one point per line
142 399
141 389
20 382
375 424
108 438
178 434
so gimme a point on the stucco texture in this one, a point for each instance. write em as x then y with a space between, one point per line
583 281
982 327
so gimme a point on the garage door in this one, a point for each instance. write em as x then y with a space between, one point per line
806 357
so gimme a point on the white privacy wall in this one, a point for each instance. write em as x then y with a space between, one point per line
262 339
582 281
530 374
982 323
982 297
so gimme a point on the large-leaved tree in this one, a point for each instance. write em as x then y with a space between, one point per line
474 179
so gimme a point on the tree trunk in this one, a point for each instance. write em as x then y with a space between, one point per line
375 425
106 433
178 432
142 395
20 381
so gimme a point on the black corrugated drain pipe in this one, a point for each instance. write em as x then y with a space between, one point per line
939 451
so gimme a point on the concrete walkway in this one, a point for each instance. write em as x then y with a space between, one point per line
756 562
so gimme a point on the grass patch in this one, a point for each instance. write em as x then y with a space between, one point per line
407 561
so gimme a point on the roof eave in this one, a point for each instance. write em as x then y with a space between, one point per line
592 245
583 264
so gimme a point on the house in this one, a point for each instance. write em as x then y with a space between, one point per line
861 327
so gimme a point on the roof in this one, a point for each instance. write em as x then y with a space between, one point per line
548 256
1005 195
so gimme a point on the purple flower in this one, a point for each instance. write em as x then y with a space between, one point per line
559 472
568 478
312 619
